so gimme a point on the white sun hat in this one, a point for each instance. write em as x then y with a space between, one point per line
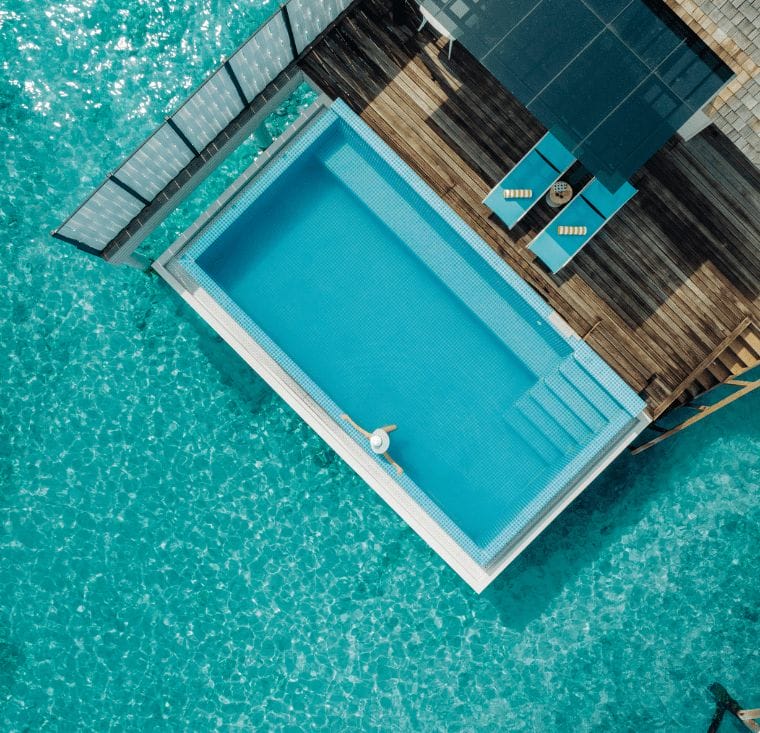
379 441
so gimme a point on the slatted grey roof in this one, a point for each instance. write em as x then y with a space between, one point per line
207 112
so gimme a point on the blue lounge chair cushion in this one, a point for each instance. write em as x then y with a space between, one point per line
592 207
555 152
531 172
540 167
605 202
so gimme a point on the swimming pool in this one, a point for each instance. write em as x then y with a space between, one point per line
379 303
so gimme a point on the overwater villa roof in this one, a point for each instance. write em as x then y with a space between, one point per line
612 79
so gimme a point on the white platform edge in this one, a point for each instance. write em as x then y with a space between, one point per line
477 577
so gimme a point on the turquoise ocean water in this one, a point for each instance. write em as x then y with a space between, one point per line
179 552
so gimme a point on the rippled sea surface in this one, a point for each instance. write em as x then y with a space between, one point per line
179 552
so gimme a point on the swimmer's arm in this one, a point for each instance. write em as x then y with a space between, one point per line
360 429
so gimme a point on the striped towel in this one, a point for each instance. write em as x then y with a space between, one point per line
572 230
518 193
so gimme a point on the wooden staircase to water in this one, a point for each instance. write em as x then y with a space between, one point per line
734 364
741 351
737 352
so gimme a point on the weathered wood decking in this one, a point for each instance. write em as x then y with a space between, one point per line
657 292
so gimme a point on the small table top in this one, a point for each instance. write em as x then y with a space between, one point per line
559 194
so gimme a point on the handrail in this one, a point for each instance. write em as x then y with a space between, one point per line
745 388
725 703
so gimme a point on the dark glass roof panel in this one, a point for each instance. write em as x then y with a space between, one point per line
525 67
482 24
589 88
693 72
648 34
629 136
612 79
607 9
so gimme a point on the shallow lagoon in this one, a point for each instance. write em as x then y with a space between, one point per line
179 551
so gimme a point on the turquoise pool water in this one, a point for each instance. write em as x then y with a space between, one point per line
375 298
180 552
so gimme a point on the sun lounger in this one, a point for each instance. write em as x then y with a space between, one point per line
578 222
541 166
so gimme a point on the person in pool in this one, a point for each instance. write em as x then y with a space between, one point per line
379 440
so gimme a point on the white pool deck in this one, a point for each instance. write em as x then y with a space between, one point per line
335 435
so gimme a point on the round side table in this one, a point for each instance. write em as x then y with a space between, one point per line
559 194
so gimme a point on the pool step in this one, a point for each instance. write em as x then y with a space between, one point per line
590 388
559 411
564 411
532 436
543 421
582 406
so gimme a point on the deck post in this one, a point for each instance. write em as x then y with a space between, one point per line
727 704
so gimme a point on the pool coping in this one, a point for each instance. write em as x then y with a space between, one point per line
477 575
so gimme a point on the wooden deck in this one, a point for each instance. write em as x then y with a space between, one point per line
663 293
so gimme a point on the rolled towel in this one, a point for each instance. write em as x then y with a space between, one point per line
572 230
518 193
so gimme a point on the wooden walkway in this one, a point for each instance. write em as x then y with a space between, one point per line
663 293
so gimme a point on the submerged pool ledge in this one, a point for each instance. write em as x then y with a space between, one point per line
477 562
